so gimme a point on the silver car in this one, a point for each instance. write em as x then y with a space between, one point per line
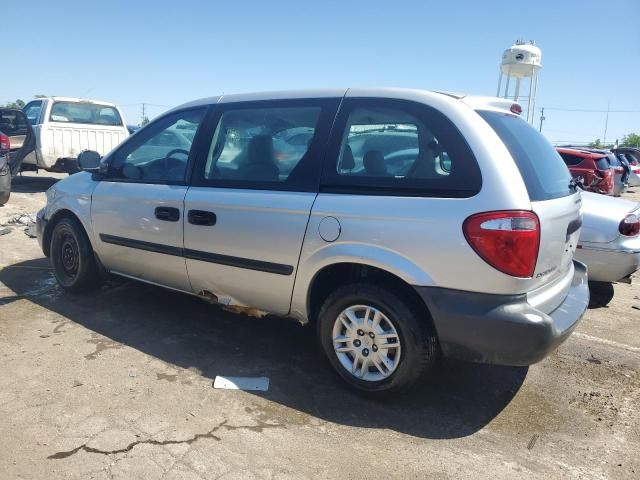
409 224
610 238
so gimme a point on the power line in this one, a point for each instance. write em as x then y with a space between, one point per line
590 110
146 103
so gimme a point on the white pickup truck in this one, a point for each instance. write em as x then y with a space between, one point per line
63 127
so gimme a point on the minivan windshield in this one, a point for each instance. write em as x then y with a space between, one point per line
544 172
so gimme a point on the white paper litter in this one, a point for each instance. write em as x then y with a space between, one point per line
242 383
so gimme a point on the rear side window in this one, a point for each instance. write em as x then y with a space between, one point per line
571 160
395 147
266 145
254 144
89 113
543 171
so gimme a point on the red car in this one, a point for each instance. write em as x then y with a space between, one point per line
592 167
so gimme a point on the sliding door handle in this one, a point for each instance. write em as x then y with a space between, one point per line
201 217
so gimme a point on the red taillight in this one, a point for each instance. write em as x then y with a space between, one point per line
5 143
630 225
517 109
507 240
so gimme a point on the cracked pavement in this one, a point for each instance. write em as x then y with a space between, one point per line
118 385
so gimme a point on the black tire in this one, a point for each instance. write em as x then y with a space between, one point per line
419 345
5 188
72 258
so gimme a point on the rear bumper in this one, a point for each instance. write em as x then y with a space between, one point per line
503 329
609 264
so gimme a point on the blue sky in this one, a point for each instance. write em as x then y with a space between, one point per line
167 52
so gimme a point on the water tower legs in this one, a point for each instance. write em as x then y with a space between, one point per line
534 80
517 94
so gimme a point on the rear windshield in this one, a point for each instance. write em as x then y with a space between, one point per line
602 163
91 113
542 169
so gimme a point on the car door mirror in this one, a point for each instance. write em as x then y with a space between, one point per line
89 161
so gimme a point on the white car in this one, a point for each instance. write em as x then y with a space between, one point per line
610 238
64 127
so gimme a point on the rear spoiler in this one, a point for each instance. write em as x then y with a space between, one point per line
493 103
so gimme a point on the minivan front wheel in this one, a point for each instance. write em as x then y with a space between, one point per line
5 188
74 265
375 339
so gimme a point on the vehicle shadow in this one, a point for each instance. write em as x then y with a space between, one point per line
184 331
32 183
600 294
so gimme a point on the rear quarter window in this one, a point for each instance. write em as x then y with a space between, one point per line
543 170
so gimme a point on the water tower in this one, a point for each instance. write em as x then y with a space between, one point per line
521 61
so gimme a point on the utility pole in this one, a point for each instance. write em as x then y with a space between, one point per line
542 118
606 124
143 116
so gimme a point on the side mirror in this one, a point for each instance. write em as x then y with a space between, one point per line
89 161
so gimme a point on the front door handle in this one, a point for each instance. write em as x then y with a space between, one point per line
167 214
201 217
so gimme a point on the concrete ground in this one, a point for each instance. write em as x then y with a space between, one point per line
118 384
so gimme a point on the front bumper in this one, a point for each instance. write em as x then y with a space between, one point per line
41 225
503 329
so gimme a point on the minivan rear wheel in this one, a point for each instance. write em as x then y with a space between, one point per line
74 264
376 339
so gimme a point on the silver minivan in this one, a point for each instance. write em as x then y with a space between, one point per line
402 224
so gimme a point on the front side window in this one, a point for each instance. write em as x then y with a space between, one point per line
261 145
88 113
160 152
402 147
32 111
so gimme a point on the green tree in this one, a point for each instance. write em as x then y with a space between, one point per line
145 120
17 104
596 144
631 140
